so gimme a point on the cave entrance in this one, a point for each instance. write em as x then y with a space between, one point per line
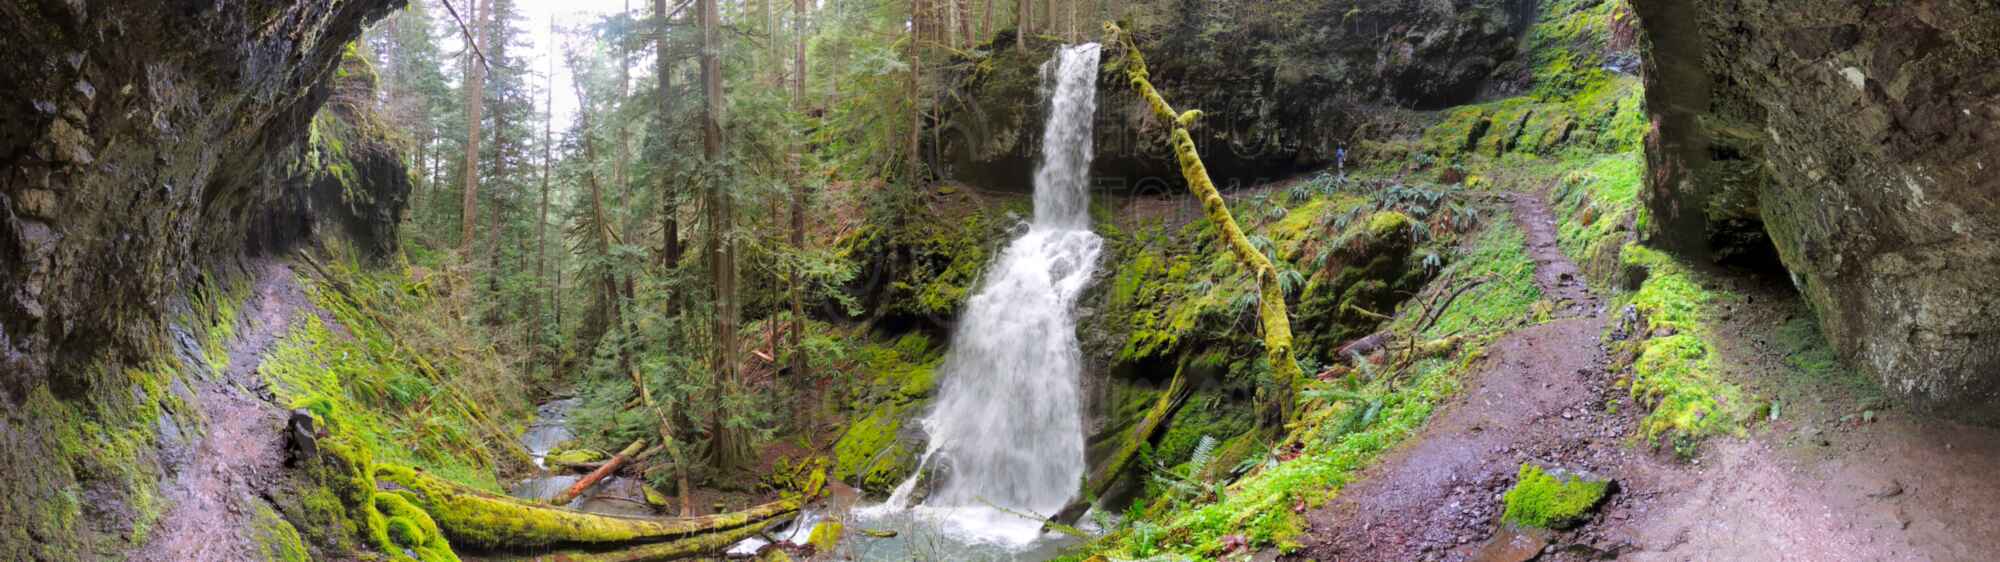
1742 247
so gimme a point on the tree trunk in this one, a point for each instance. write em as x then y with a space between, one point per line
494 313
542 215
726 446
913 161
986 22
1024 23
1276 400
621 180
798 359
610 467
482 520
964 13
670 231
475 98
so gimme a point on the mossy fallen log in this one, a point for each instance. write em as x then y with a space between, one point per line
473 518
703 546
1108 472
1276 403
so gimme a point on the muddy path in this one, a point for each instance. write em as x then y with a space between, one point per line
239 459
1840 475
1538 397
1821 481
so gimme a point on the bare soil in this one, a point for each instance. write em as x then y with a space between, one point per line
1837 475
239 459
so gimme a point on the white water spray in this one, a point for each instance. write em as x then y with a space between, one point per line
1006 433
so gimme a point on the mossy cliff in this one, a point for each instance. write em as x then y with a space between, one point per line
139 142
1861 137
348 175
1284 83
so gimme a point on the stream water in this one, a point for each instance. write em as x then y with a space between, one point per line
1006 432
617 495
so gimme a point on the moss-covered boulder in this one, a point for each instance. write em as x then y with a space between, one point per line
882 442
1863 138
1551 499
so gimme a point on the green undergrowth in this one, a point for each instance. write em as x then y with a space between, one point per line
1506 297
394 381
1545 500
1343 424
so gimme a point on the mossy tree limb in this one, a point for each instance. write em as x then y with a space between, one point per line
490 521
1107 473
1276 404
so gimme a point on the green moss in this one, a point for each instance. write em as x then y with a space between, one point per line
1674 373
825 536
869 456
1543 500
1260 508
435 509
574 457
280 541
412 529
1497 254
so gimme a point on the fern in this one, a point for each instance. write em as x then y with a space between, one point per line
1291 282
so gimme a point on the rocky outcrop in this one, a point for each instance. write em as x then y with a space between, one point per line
143 144
348 177
1864 138
138 140
1281 87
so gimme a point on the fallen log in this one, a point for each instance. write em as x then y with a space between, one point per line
1107 473
478 519
610 467
701 546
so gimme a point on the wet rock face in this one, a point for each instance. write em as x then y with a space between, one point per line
137 140
1281 85
1864 137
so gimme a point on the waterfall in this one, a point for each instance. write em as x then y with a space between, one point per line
1006 432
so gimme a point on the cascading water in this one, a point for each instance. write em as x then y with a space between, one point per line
1006 432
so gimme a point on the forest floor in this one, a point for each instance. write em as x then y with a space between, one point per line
1834 477
239 459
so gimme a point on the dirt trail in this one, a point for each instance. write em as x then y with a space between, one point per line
1538 398
1820 483
240 457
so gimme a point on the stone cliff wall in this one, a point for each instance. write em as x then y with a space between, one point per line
144 146
136 140
1864 138
1281 85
